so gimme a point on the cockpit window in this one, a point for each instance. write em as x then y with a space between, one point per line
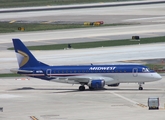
145 70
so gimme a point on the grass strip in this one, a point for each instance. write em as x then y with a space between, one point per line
10 75
97 44
28 3
13 27
156 66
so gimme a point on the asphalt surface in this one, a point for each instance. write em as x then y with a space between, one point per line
145 20
83 6
42 100
27 99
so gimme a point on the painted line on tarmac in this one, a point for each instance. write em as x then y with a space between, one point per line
127 99
148 18
120 96
142 105
134 102
49 42
12 21
33 118
82 6
46 22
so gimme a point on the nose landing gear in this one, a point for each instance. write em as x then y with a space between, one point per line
140 86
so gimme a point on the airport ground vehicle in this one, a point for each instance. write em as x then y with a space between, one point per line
153 103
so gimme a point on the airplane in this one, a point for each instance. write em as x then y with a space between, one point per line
93 76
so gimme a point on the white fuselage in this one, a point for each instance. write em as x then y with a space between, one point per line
112 78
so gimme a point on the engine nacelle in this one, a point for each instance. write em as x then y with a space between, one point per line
114 85
96 84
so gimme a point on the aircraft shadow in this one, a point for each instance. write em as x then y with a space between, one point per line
44 89
61 90
131 89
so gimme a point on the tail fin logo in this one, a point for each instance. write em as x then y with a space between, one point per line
23 58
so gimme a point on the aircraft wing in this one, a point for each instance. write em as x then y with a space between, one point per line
86 79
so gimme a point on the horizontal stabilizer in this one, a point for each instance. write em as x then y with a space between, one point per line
21 71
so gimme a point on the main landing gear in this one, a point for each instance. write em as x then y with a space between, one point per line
140 86
82 88
91 88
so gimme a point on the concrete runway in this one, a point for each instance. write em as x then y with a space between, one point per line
53 101
90 34
50 101
107 14
148 21
34 98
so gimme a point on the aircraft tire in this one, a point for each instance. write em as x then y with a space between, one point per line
140 88
81 88
91 88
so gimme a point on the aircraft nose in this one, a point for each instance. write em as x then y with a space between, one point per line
157 76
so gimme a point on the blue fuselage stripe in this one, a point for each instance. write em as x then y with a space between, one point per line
80 70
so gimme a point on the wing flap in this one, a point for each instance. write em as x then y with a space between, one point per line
79 79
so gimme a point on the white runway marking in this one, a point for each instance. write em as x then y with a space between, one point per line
8 96
120 96
148 18
129 100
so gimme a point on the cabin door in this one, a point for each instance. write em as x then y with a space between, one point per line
48 72
135 72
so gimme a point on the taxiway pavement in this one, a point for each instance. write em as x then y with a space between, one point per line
148 21
52 101
90 34
48 101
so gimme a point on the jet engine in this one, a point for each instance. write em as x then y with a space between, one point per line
114 85
96 84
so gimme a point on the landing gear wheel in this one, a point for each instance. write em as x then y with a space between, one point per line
91 88
81 88
140 88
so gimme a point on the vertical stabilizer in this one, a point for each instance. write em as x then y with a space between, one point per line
24 56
